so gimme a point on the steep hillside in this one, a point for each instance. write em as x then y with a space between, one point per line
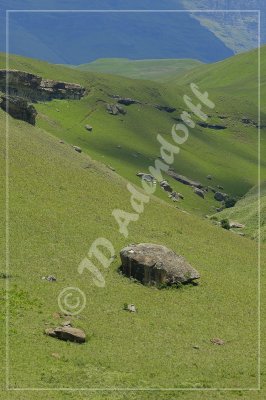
238 30
128 142
246 212
155 70
60 202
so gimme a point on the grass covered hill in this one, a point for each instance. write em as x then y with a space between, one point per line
60 202
246 212
128 142
155 70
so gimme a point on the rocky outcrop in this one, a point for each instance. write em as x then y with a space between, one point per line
152 264
35 88
183 179
18 108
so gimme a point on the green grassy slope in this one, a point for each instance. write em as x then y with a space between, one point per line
155 70
225 154
60 202
246 212
236 78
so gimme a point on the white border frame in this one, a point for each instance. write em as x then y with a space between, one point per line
7 369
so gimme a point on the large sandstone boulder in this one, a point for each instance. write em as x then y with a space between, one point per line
152 264
67 333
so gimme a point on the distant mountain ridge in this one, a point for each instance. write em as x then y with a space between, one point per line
76 38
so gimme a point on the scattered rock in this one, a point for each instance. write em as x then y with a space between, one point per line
66 323
199 192
146 177
165 108
209 177
127 101
153 264
67 333
220 187
88 127
78 149
195 347
49 278
111 168
18 108
219 196
61 141
165 186
115 109
56 355
219 342
183 179
248 121
210 126
57 315
237 225
174 196
212 189
130 308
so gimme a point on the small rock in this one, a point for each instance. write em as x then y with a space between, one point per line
174 196
219 196
56 315
88 127
66 323
130 308
165 186
127 101
196 347
49 278
56 355
78 149
236 225
209 177
61 141
219 342
67 333
199 192
220 187
111 168
146 177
